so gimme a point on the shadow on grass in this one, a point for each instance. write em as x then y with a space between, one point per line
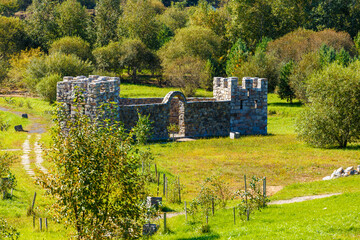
280 104
207 237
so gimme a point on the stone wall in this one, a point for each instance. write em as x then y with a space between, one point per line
206 119
233 108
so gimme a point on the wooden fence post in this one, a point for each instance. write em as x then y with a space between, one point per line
264 190
213 206
46 224
40 224
185 212
245 189
179 189
164 184
33 203
164 221
156 170
34 221
234 216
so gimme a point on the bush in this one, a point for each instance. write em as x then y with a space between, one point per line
333 116
56 63
107 58
5 162
308 65
294 45
186 73
46 88
72 45
7 231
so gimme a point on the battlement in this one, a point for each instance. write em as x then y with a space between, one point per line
228 88
94 89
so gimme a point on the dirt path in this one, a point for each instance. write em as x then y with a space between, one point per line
279 202
37 128
302 199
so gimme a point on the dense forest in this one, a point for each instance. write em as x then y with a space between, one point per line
182 44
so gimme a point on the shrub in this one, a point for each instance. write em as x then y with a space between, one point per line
7 231
294 45
186 73
333 116
56 63
72 45
46 88
8 180
107 57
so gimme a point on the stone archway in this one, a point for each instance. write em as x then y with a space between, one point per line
176 101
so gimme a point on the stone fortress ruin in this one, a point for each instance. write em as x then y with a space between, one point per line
233 109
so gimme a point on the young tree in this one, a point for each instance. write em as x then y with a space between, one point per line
333 116
284 89
96 180
72 19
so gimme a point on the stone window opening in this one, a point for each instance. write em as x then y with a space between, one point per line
248 93
255 104
241 104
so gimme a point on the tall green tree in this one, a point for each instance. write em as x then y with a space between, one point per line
250 21
138 21
12 36
107 13
332 118
41 24
72 19
96 178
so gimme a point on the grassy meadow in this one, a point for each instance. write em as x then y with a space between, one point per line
280 156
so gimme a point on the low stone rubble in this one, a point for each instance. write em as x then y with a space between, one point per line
343 173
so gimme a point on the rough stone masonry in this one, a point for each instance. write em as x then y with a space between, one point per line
241 109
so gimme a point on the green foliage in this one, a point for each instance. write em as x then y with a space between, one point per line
106 20
72 19
296 44
107 58
251 199
8 7
12 36
138 21
143 129
135 56
4 124
327 55
238 54
72 45
332 118
191 41
175 17
186 73
7 231
96 179
302 71
56 63
8 179
284 89
46 88
173 129
260 65
41 24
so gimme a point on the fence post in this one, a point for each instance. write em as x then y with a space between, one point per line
185 212
164 185
164 221
245 189
247 214
46 224
264 190
179 189
213 206
167 187
234 216
158 183
40 224
155 170
34 221
33 203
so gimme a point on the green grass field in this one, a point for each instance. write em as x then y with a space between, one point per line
280 156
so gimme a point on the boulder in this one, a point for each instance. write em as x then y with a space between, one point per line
24 115
327 178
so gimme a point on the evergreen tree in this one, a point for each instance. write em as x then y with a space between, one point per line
284 89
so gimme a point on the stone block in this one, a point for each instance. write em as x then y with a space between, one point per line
18 128
234 135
